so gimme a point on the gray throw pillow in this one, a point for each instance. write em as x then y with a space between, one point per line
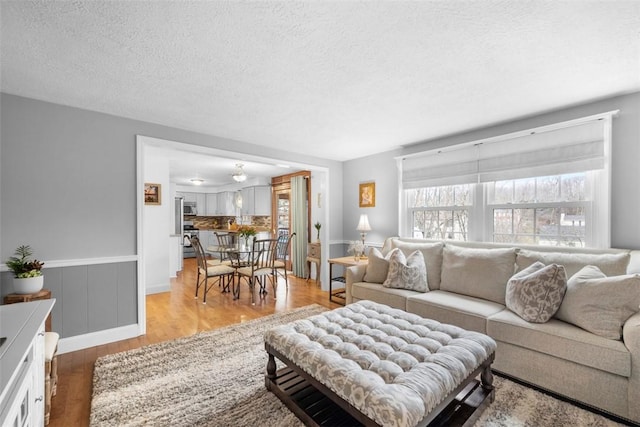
477 272
407 273
535 293
600 304
377 267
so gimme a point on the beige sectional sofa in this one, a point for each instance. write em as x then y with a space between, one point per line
466 287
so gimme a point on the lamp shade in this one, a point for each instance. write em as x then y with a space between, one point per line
363 225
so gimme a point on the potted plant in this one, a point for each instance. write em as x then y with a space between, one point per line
318 226
27 273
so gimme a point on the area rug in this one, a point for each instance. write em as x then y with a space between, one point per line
216 378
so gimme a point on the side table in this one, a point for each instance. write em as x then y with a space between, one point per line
42 294
314 251
346 261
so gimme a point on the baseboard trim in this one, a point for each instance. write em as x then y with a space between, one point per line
157 288
92 339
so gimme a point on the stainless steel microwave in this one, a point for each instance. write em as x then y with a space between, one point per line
189 208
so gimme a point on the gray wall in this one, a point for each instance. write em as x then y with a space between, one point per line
68 189
625 203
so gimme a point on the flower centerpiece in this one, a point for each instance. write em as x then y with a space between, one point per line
356 248
246 232
27 273
318 226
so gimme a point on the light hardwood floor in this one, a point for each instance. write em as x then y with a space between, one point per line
172 315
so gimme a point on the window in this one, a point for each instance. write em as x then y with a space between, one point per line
543 186
551 210
440 212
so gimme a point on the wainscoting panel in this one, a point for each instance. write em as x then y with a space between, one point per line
89 298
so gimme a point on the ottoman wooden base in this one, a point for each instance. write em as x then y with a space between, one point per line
316 405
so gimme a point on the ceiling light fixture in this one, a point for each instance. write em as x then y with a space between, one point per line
239 175
197 181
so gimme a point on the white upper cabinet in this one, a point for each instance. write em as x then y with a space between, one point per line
212 204
256 200
262 200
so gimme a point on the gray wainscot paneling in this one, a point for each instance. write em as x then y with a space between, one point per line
89 298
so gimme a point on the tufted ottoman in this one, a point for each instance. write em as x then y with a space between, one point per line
376 365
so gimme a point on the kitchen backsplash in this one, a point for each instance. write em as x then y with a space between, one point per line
221 222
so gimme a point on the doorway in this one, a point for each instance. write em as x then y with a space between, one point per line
282 208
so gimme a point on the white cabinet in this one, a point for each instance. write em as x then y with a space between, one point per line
201 204
211 204
22 363
226 204
262 200
256 200
208 238
190 197
248 200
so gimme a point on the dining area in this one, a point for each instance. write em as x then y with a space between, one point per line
241 259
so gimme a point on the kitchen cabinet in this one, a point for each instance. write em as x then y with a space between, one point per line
211 204
247 201
226 204
190 197
22 363
201 204
262 203
208 238
256 200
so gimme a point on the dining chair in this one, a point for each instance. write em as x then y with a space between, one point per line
226 240
260 268
222 274
282 256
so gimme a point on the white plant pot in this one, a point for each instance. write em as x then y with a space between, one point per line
29 285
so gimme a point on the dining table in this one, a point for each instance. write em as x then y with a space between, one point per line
238 255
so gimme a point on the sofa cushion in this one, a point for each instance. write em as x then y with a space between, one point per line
561 340
460 310
600 304
481 273
396 298
610 264
432 253
406 273
377 267
535 293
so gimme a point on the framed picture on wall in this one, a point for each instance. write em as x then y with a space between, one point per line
152 194
367 195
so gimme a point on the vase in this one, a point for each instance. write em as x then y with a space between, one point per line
28 285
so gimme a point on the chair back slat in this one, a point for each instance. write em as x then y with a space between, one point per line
264 253
197 247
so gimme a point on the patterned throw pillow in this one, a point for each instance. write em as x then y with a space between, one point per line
407 273
600 304
535 293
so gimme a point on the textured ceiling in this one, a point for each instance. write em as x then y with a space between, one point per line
337 80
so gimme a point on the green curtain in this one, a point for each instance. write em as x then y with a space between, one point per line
299 224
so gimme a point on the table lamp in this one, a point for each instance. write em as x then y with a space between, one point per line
363 227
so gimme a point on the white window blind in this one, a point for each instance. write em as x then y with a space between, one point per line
574 146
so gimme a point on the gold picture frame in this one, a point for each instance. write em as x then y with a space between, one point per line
152 194
367 195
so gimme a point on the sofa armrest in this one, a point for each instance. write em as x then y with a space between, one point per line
353 274
631 337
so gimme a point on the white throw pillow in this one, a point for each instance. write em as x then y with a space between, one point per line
609 264
407 273
600 304
377 267
535 293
